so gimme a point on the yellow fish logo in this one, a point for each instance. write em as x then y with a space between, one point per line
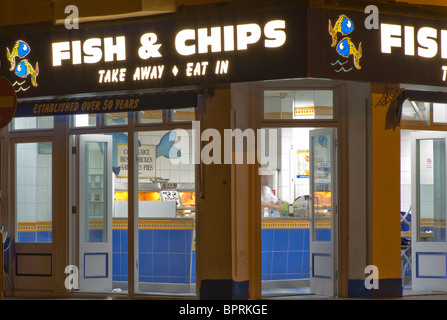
21 50
24 69
343 25
346 47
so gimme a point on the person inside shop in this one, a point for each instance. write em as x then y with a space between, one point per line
270 204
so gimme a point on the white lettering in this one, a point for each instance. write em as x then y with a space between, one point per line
61 51
118 49
409 40
390 37
149 48
213 40
247 34
181 39
444 73
427 39
274 31
92 50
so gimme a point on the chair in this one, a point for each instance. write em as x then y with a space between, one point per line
405 245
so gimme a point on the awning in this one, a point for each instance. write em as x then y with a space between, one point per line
107 104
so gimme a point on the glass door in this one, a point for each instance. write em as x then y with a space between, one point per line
95 213
428 230
323 210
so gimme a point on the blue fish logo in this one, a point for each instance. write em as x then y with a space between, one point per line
343 25
166 146
24 69
346 47
21 49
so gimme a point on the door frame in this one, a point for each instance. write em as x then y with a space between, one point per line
88 248
320 284
431 283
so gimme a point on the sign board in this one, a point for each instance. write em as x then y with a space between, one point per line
402 50
8 102
146 161
186 51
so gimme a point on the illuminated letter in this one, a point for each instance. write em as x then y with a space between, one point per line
444 73
180 42
247 34
426 38
409 40
228 38
72 21
76 52
61 51
372 21
213 40
149 48
111 49
92 50
444 44
388 35
274 31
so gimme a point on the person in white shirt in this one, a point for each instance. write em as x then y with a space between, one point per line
268 199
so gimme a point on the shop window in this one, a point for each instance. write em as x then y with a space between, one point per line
116 119
183 115
84 120
440 112
46 122
150 116
33 191
416 112
298 104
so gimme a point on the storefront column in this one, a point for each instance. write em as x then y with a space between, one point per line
385 203
216 260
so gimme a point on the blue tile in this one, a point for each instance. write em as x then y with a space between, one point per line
296 237
145 241
160 241
279 262
43 236
177 265
294 262
266 239
27 236
145 264
116 264
281 240
124 234
160 264
116 243
266 263
177 240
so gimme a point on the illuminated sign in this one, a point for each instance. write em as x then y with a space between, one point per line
162 54
402 49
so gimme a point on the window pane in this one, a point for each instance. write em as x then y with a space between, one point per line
150 116
431 190
116 119
166 248
298 104
33 191
440 112
182 115
84 120
415 111
33 123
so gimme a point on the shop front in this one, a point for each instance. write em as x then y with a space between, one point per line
140 151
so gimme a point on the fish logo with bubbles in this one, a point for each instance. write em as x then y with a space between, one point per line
345 47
